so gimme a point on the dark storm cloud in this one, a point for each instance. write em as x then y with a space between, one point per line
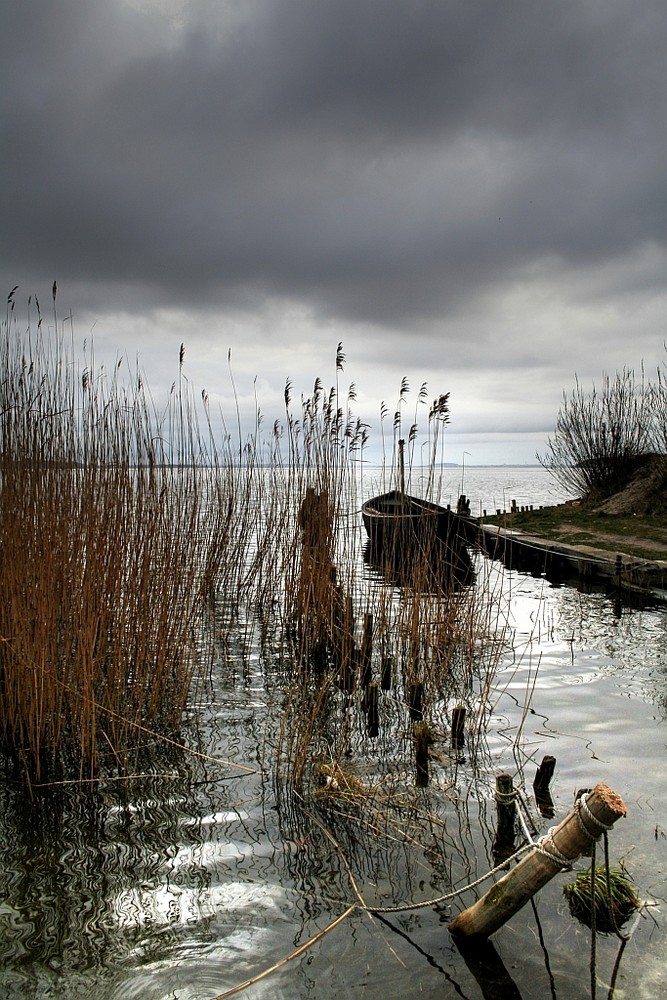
382 161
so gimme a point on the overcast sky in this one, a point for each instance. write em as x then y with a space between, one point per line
467 193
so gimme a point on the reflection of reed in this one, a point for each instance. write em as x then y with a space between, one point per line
396 845
97 882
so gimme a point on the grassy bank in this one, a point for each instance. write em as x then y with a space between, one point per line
643 536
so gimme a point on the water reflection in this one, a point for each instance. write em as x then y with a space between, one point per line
182 887
432 570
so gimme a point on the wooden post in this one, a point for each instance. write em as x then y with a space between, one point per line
503 842
423 740
386 670
592 814
366 650
458 727
544 774
415 702
372 719
541 783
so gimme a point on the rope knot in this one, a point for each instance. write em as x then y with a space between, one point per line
581 811
547 848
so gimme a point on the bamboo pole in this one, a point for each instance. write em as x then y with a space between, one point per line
593 813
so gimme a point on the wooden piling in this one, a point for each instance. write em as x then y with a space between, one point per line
544 774
423 740
372 718
386 671
593 813
415 702
366 651
541 782
458 727
503 842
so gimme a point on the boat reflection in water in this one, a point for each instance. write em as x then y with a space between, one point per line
417 543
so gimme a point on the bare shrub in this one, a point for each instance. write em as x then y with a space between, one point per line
601 436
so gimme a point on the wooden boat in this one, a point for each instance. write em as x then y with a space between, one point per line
396 512
403 529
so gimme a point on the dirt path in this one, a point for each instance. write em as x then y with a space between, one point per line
572 534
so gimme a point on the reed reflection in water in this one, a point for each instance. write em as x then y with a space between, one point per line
185 886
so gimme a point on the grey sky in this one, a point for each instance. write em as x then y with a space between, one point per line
466 193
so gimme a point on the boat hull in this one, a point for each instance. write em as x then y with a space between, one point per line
404 531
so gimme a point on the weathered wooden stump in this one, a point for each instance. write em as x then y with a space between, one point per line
458 727
386 672
503 842
541 784
593 813
423 740
416 701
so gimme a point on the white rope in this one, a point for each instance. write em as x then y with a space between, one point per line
456 892
548 849
581 806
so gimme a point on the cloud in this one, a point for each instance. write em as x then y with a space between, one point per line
465 187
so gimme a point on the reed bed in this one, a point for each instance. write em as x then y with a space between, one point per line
116 522
131 537
360 633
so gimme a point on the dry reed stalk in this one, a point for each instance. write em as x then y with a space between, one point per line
439 633
114 524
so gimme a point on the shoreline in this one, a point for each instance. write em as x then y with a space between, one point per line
586 565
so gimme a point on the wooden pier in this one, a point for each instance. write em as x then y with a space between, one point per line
584 566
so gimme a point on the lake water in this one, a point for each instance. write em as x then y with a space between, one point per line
488 488
184 885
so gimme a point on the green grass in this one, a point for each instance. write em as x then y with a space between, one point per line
612 895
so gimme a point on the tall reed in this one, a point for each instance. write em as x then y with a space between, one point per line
347 618
115 521
124 524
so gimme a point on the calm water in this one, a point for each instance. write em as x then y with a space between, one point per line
187 884
487 489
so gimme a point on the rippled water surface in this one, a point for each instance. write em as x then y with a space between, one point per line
185 884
